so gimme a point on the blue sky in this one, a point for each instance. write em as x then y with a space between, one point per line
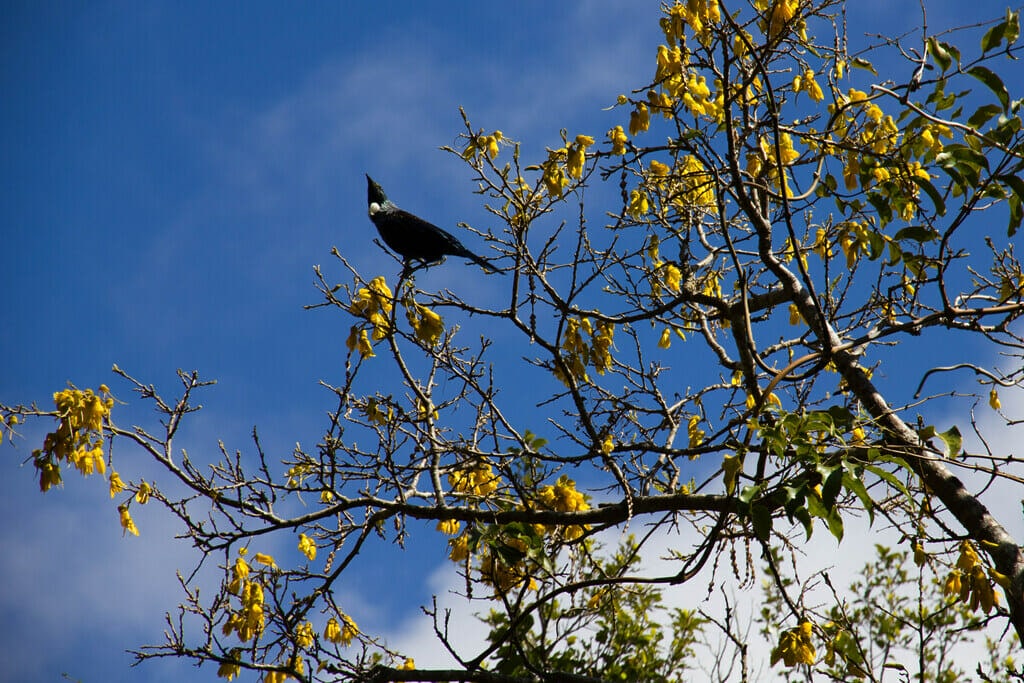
172 172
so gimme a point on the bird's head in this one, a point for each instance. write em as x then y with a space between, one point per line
375 197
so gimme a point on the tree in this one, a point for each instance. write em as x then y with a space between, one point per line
708 346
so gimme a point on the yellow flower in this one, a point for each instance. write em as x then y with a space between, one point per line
332 631
142 494
658 168
805 83
795 646
349 630
666 339
230 668
407 665
695 433
782 13
459 548
265 559
640 119
993 400
553 176
920 557
638 204
449 526
116 485
858 436
428 325
127 524
239 574
359 340
307 547
304 636
479 480
618 138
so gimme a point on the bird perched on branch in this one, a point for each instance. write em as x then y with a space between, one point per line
412 237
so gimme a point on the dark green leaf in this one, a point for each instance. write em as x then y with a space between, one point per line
882 206
748 493
841 416
933 194
993 37
1016 201
992 82
983 115
831 488
918 233
1015 182
1016 215
853 483
761 518
835 524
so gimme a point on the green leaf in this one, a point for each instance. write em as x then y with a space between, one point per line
882 206
761 519
953 440
889 478
983 115
940 52
748 493
853 483
1015 202
933 194
993 83
1012 27
917 233
1016 215
841 416
832 486
993 36
1015 182
861 63
835 524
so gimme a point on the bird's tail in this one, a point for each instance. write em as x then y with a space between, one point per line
481 261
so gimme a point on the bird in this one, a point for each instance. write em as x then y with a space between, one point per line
413 238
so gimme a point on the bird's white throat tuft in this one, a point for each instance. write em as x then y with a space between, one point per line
374 208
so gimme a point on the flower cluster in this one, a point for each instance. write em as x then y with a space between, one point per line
766 163
795 646
373 303
564 163
427 325
563 497
699 15
968 584
505 575
78 439
804 82
342 633
478 480
249 620
578 354
481 145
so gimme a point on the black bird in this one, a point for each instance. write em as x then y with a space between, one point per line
412 237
